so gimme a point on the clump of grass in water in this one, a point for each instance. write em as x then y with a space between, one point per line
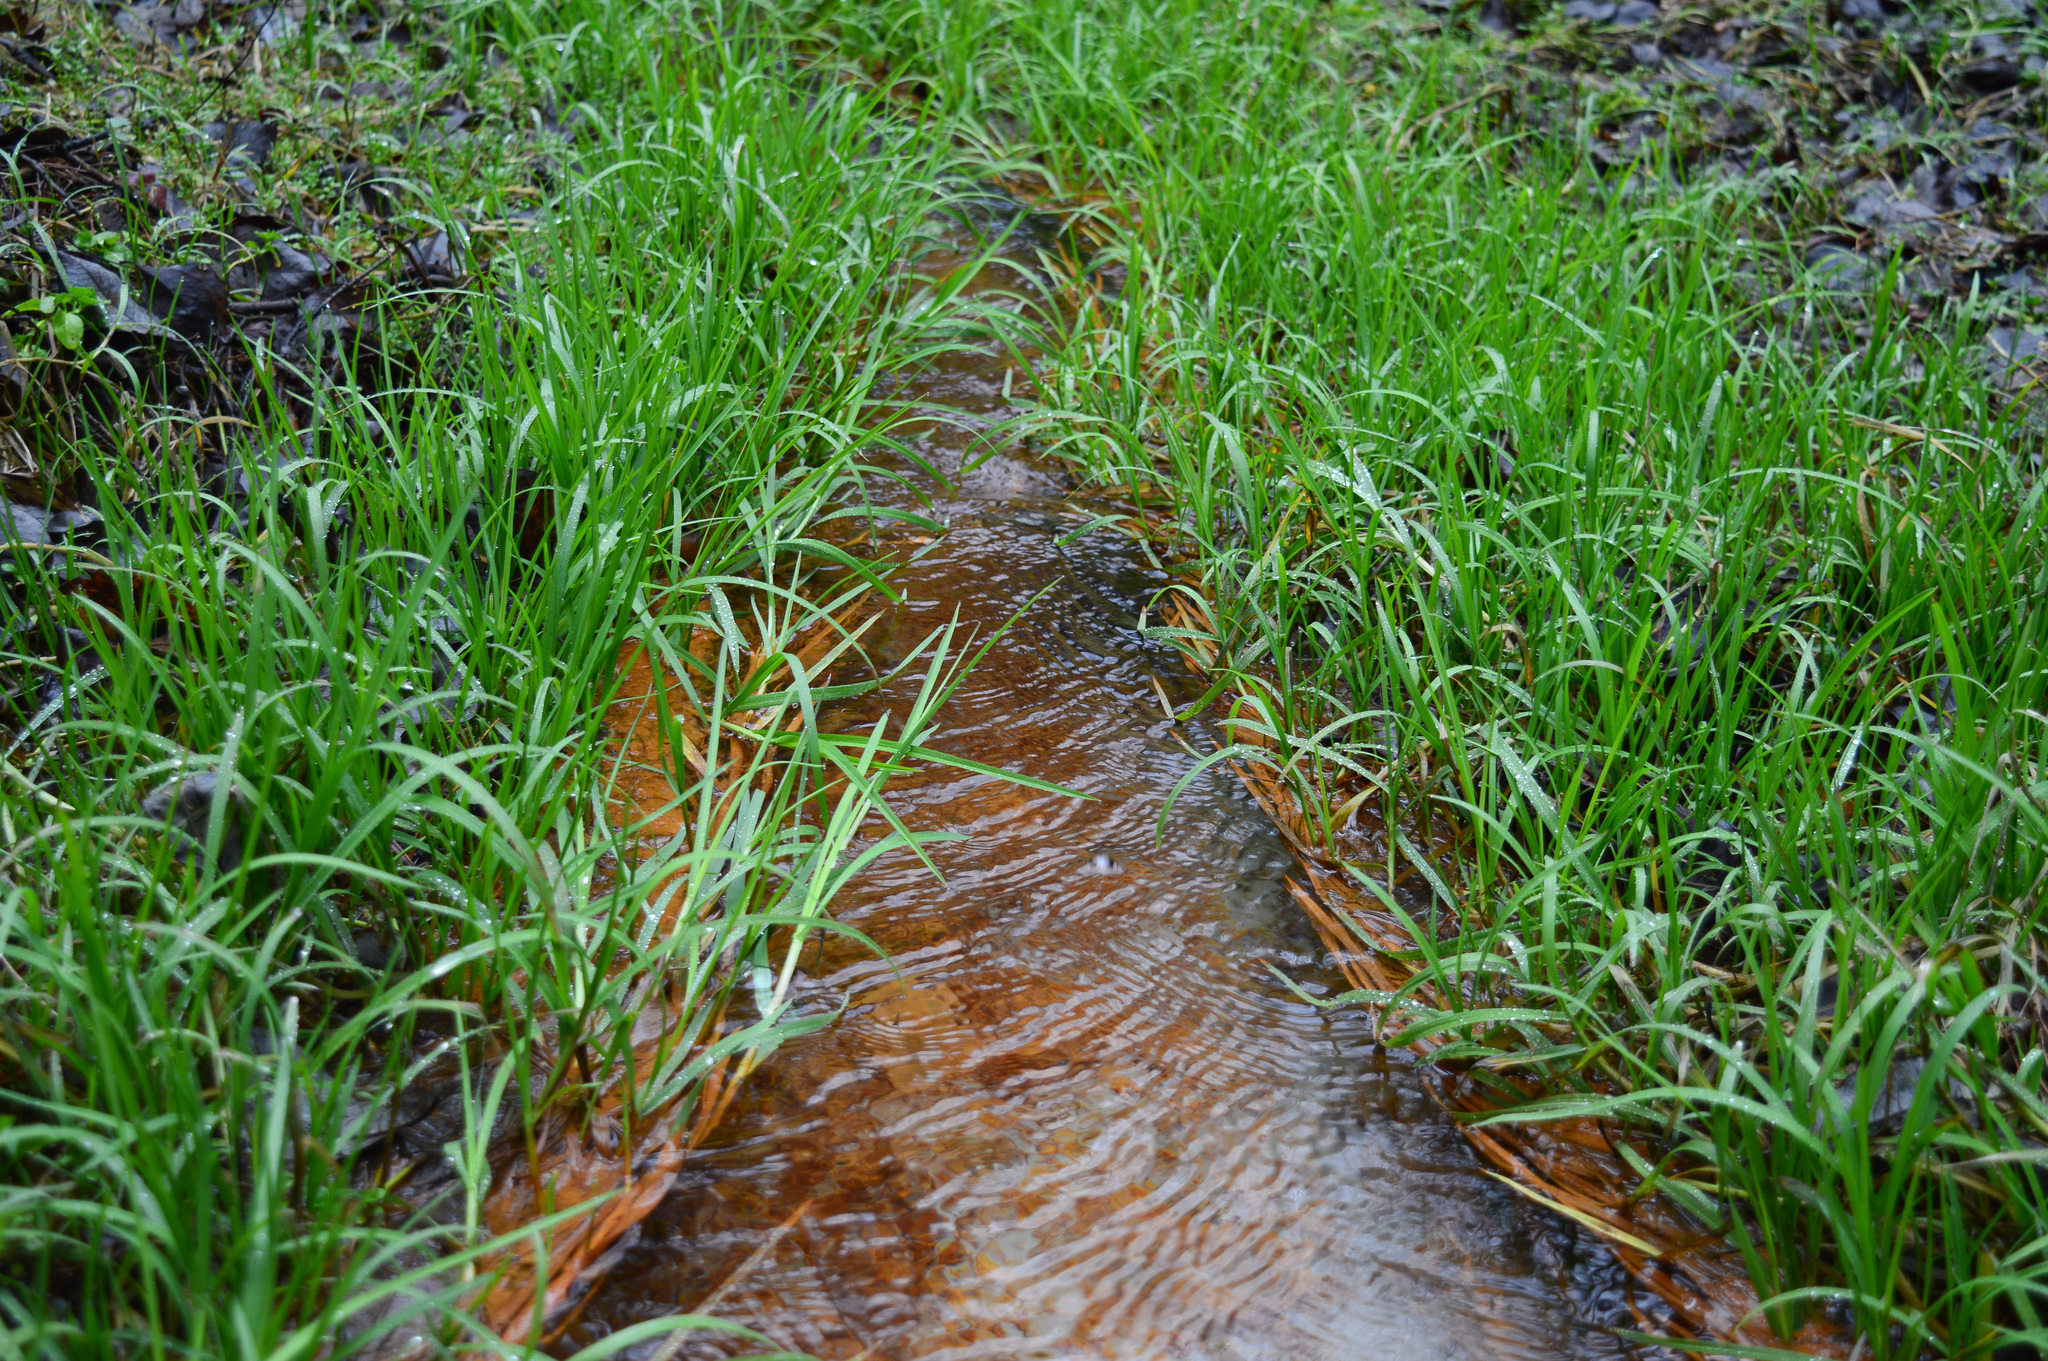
321 806
1695 679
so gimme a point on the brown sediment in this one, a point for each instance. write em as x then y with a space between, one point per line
1072 1113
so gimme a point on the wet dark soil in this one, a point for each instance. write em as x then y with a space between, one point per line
1871 144
202 294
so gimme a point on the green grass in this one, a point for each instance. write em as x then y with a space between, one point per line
388 694
1664 622
1550 521
1532 536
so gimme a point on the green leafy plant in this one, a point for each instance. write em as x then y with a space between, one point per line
63 313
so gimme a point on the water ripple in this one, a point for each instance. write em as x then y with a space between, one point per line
1074 1116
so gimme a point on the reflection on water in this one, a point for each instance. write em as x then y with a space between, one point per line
1074 1115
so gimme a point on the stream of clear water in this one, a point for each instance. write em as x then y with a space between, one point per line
1074 1115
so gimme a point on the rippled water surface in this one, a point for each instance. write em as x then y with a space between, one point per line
1074 1115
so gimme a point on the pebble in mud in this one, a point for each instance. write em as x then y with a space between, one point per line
185 804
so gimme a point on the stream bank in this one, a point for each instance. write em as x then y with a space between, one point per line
1072 1113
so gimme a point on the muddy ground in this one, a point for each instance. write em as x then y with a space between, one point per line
1876 145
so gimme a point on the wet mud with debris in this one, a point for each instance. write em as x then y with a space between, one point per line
206 289
1073 1114
1874 145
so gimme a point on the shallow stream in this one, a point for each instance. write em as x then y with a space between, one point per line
1074 1115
